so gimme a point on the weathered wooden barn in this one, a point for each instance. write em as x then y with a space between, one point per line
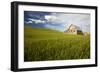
73 29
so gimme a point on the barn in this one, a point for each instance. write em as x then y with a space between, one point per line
73 29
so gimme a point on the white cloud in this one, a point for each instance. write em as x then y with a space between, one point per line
53 19
28 22
39 21
50 17
36 21
31 19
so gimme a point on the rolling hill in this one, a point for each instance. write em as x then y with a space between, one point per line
42 44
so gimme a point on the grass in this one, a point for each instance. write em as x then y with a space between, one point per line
43 44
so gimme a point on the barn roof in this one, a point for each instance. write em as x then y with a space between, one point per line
77 27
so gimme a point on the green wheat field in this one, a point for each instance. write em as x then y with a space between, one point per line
42 44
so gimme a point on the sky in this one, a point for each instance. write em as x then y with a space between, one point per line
57 20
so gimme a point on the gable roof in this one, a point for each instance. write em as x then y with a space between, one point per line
77 27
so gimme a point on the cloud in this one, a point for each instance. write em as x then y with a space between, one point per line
50 18
53 19
36 21
28 22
